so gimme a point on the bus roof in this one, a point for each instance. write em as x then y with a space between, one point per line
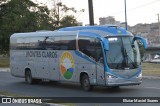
91 31
110 30
57 33
44 33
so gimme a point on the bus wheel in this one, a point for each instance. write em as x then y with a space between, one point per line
28 77
85 84
116 87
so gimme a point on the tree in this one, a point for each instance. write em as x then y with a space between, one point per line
26 16
67 21
60 13
3 1
21 16
141 48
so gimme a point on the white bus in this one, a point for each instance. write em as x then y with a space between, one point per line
91 56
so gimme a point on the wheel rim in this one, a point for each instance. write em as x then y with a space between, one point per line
28 77
85 84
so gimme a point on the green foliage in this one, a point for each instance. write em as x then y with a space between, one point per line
141 47
3 1
21 16
4 61
142 51
26 16
61 13
68 21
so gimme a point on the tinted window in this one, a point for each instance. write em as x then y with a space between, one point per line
23 43
61 43
37 43
13 42
87 46
45 43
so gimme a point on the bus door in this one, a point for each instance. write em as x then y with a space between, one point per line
99 63
92 48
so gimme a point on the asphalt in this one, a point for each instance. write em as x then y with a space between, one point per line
151 77
80 104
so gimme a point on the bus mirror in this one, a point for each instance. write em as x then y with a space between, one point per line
105 44
142 40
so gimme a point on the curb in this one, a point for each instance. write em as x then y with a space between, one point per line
151 77
4 69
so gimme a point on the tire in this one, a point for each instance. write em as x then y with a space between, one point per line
54 82
85 83
115 87
29 79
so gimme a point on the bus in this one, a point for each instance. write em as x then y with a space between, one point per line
106 56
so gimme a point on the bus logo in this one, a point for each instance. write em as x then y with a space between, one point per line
67 65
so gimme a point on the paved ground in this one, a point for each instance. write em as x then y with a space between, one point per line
149 88
4 69
144 76
19 105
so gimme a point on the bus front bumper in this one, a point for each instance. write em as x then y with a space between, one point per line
115 81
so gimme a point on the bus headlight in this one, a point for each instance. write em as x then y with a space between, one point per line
111 76
140 75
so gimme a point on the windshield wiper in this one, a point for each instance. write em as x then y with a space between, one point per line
133 64
125 60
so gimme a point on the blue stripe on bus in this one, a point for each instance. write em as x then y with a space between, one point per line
84 57
113 30
89 34
107 68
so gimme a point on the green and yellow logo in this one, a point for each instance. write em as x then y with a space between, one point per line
67 65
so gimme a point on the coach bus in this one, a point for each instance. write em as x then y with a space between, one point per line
92 56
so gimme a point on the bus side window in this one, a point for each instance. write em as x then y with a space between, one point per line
61 43
87 46
13 44
23 43
53 43
42 43
68 43
49 43
36 43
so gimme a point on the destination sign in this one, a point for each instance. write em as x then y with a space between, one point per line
44 54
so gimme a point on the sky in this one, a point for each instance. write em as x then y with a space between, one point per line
138 11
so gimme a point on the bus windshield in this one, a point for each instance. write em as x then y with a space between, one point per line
123 53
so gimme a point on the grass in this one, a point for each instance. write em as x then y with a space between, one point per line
4 61
151 69
6 93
